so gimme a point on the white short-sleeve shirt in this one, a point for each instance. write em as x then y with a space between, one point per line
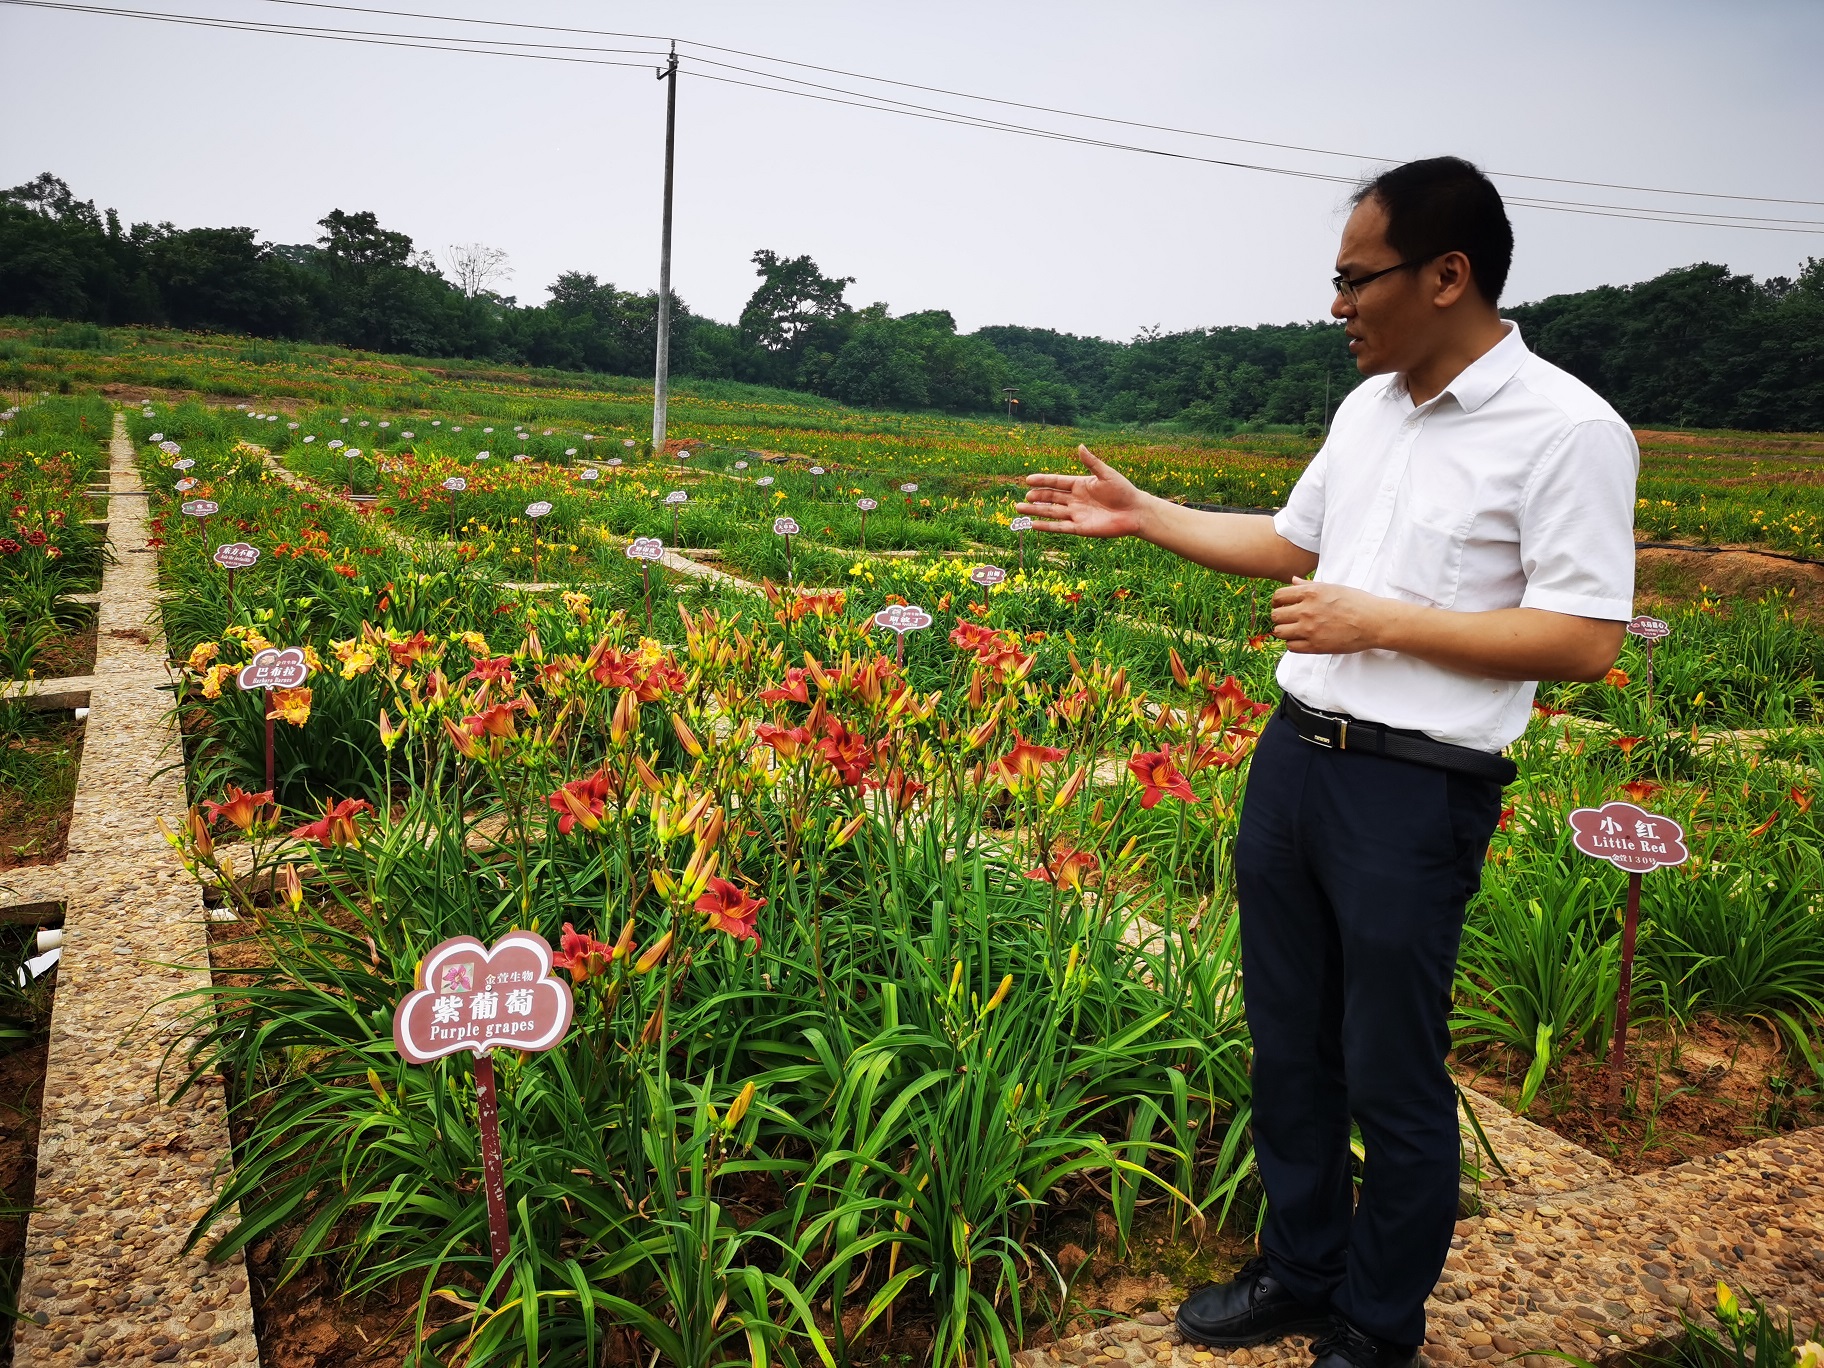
1513 488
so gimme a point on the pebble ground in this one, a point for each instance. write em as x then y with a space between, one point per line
122 1174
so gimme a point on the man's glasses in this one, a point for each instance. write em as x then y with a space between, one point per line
1351 289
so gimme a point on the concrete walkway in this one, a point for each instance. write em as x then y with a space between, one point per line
121 1177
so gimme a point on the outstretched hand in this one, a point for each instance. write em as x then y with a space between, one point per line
1103 503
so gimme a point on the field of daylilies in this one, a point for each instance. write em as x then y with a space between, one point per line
904 964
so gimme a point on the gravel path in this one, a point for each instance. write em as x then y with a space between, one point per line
121 1176
1570 1257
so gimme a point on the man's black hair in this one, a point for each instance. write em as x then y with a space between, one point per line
1444 204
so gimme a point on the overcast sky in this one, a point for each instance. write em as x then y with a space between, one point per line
560 165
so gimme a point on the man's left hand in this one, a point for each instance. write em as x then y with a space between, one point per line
1330 619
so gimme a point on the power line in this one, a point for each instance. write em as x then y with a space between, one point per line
856 99
1019 104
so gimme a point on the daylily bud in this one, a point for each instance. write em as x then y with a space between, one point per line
467 746
956 980
714 827
686 736
373 1081
1000 995
849 828
647 778
291 886
738 1108
1179 673
388 732
624 946
649 961
654 1027
626 717
1070 966
1072 787
196 827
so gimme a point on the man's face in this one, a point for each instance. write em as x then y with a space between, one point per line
1388 321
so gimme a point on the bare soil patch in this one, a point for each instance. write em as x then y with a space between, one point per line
39 756
1667 580
1691 1093
69 655
21 1087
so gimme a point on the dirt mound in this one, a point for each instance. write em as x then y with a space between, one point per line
1668 579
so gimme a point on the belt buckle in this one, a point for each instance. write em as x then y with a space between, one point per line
1342 731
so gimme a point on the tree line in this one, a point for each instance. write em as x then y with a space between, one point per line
1697 346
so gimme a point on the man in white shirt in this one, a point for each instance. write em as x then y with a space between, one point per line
1466 530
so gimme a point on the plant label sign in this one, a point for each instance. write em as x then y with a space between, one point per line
785 527
1635 841
740 465
185 464
455 484
1630 838
867 505
908 489
1650 629
816 470
764 480
201 508
1021 524
273 668
677 496
902 618
615 461
469 997
537 510
645 549
986 575
236 555
592 474
185 485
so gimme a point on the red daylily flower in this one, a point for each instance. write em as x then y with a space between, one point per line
1506 819
1023 764
1227 702
1640 790
787 741
795 689
1067 865
243 809
1158 776
1801 799
336 827
583 955
1626 745
499 670
583 800
848 752
410 651
731 909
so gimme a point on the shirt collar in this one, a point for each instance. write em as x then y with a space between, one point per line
1482 378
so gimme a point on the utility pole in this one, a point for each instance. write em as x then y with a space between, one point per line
1326 401
661 374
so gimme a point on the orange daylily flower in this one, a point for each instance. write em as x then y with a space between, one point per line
1067 865
337 826
1616 678
1640 790
1024 764
244 809
1626 745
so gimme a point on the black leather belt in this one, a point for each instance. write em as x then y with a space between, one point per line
1339 731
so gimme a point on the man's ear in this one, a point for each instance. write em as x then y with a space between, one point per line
1454 279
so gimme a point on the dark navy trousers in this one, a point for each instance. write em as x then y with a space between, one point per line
1353 873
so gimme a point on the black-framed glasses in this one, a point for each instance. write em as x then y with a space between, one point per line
1351 289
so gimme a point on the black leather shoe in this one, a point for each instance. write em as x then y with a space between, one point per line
1347 1347
1251 1308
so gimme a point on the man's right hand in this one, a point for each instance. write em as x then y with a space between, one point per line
1103 503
